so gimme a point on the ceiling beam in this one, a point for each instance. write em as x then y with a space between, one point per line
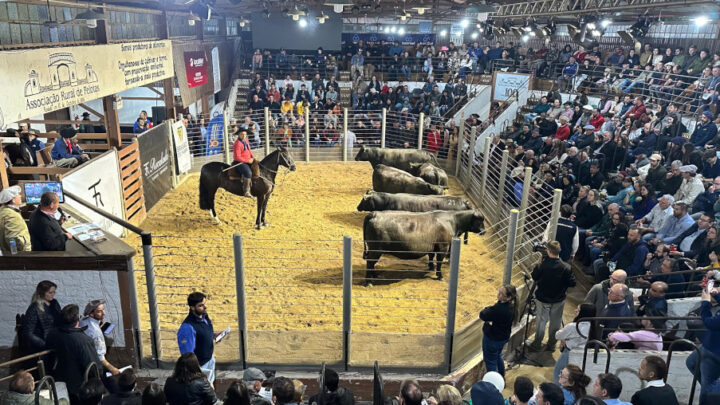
571 8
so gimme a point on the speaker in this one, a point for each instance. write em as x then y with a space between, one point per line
158 115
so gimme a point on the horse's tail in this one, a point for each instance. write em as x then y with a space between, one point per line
207 191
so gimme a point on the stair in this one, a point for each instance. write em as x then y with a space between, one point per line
241 105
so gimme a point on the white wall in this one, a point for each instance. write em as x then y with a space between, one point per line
480 104
74 287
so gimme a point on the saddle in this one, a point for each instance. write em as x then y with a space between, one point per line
254 168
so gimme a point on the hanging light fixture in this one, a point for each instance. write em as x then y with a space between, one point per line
338 5
193 19
421 9
89 17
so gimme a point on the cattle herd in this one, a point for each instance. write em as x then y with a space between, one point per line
411 217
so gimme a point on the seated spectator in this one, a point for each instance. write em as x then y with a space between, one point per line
655 220
522 391
549 394
45 231
704 131
692 240
482 392
446 394
74 350
691 186
654 300
672 282
91 392
608 388
565 80
91 322
709 353
541 107
571 339
127 394
630 257
66 152
188 384
598 294
674 226
12 224
647 338
653 370
573 381
253 379
22 391
237 394
601 248
153 394
41 317
332 393
617 307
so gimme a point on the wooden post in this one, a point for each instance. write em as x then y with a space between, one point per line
112 122
169 83
4 183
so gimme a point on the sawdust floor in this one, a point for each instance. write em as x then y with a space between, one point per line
293 268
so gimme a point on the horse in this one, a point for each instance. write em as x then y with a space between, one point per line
215 175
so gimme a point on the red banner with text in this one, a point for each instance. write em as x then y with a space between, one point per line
196 68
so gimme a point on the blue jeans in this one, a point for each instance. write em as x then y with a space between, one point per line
561 363
492 353
709 371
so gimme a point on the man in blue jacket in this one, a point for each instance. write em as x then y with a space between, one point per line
705 131
568 73
710 349
65 152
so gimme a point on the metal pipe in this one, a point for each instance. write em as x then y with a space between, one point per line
117 220
307 135
501 182
452 300
421 129
485 165
240 294
347 298
382 127
152 296
345 139
267 131
226 135
171 143
527 183
555 214
132 283
460 144
510 251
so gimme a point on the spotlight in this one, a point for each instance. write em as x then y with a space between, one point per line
387 30
525 38
443 33
295 17
591 26
532 33
637 30
393 29
303 23
338 5
701 20
596 33
474 35
604 23
464 23
401 31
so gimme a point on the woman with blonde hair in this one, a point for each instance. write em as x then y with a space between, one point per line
41 316
446 394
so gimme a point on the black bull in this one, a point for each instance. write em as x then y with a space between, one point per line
378 201
398 158
393 180
412 235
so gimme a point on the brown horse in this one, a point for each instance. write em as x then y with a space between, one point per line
215 175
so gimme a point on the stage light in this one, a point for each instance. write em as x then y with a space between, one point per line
525 38
604 23
393 29
443 33
591 25
401 31
464 23
338 5
596 33
387 30
474 35
303 23
701 20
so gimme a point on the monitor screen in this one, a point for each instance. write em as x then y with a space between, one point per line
33 190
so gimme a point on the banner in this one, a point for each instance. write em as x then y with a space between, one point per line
183 159
214 135
43 80
98 182
215 56
195 68
505 84
155 160
405 39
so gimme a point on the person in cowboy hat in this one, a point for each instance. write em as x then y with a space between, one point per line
65 152
92 321
12 224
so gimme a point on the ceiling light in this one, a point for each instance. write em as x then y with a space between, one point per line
701 20
474 35
403 17
443 33
387 30
464 23
295 17
401 31
393 29
604 23
532 33
303 23
421 9
525 38
596 33
591 26
338 5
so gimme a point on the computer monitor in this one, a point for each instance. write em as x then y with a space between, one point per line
34 189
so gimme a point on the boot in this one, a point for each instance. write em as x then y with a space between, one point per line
246 184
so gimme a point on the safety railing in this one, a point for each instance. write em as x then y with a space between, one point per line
21 361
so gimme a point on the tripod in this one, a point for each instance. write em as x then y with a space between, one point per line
520 356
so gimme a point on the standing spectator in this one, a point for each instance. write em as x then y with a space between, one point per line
74 350
91 322
608 388
709 353
332 393
356 63
433 140
566 234
188 385
42 315
565 80
45 231
571 339
12 224
126 394
653 370
498 320
196 334
553 277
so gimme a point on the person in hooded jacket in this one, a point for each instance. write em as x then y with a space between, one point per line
332 393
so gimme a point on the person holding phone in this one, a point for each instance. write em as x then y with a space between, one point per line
92 321
709 370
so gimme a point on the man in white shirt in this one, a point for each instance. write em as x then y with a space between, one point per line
93 316
653 222
691 186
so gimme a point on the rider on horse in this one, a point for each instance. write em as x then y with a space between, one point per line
242 159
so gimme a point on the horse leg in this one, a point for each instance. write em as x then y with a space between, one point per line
214 216
258 225
264 211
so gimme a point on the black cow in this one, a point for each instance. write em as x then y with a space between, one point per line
399 158
379 201
411 235
392 180
430 173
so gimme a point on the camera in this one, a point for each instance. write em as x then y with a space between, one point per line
540 247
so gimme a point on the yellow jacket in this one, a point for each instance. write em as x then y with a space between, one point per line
12 225
300 108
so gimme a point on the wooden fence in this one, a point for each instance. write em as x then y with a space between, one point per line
132 185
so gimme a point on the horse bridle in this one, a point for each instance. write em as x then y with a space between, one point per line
278 165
